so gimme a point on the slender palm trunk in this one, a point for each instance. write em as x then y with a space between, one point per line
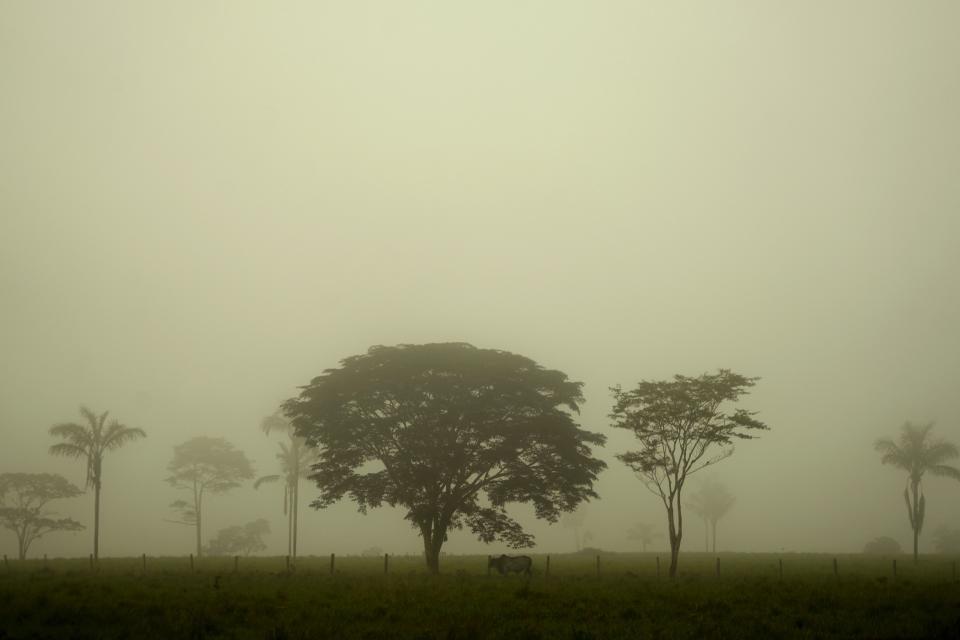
917 523
96 520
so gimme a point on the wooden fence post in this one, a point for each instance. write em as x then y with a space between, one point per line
236 563
386 563
548 565
6 562
954 570
658 566
332 559
91 561
598 565
781 569
288 564
894 568
488 564
718 567
835 567
143 560
191 562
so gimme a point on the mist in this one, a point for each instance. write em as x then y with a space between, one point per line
205 205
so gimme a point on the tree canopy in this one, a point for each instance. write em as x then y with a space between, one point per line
238 539
452 434
23 500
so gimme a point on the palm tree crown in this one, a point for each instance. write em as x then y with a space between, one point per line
916 453
92 440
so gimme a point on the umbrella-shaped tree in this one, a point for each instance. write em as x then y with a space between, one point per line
295 459
918 453
90 442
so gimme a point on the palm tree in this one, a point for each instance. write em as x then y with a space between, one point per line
916 453
296 461
91 441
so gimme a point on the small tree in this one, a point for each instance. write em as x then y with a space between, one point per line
296 460
452 434
947 540
237 540
644 533
90 442
680 424
882 546
23 500
711 502
917 454
205 465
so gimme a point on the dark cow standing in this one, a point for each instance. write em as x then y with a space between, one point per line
506 564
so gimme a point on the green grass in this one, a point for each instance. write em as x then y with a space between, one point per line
65 600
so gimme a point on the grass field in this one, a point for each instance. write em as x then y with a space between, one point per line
62 598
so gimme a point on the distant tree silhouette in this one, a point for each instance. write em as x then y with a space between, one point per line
238 539
644 533
295 462
883 546
947 540
711 502
918 454
204 465
574 521
90 442
679 424
23 501
450 433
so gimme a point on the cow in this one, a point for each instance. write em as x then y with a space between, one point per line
506 564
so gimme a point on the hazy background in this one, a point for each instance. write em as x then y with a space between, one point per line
205 204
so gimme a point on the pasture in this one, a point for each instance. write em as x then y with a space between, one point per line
259 598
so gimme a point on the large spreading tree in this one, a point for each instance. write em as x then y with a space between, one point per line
23 506
682 426
202 466
918 453
452 434
90 442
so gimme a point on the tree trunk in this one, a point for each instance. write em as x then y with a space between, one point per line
96 519
676 535
198 504
432 543
296 501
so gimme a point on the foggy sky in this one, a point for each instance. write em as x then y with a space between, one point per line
205 204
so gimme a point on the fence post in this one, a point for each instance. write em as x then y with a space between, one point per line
91 561
332 558
658 566
718 567
548 565
191 562
6 562
954 570
598 565
236 563
488 564
835 567
143 560
781 569
386 563
288 564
